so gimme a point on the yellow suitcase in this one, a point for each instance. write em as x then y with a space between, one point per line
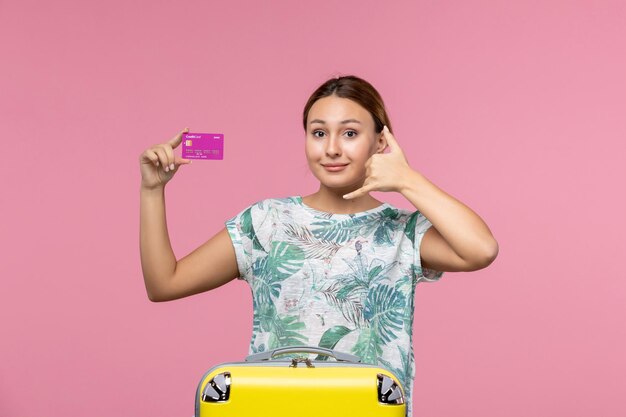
299 386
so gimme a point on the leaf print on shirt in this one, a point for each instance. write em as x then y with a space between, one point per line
409 228
270 271
383 313
256 325
404 285
411 225
388 223
382 224
347 292
283 330
403 372
283 261
368 347
314 248
343 231
348 303
247 229
362 276
330 338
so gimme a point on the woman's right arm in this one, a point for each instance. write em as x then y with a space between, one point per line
209 266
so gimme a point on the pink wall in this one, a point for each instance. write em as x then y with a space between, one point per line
515 108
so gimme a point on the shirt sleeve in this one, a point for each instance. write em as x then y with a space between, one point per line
243 250
419 225
244 230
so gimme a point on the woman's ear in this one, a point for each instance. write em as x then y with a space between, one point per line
381 143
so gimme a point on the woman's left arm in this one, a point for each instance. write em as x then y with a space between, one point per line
459 240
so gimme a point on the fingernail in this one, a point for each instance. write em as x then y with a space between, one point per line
172 167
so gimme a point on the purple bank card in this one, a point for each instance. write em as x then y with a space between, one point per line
203 145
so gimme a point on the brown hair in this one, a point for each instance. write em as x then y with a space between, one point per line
356 89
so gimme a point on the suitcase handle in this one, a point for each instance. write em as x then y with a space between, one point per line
340 356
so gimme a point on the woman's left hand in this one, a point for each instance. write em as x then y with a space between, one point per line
384 171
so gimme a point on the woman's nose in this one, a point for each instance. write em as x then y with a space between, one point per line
333 147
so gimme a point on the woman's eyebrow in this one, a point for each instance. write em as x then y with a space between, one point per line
343 121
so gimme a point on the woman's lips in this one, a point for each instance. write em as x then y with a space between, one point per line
334 168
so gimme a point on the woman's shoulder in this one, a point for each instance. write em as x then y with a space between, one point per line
270 204
398 213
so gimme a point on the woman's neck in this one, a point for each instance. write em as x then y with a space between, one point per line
332 201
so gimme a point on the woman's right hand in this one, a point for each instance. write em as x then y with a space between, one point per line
158 163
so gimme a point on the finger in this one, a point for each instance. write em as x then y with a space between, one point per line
162 158
181 161
391 139
170 156
175 141
369 161
151 156
368 173
357 193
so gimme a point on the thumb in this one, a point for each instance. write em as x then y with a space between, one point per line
175 141
181 161
391 140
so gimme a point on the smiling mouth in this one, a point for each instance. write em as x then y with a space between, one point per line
333 168
334 165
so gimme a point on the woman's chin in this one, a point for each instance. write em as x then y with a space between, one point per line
340 181
339 185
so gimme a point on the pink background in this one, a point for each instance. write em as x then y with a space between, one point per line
518 109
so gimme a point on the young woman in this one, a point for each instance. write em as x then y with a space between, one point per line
336 268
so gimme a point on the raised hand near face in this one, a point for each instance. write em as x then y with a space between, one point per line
384 171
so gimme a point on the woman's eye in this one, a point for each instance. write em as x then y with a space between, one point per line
350 133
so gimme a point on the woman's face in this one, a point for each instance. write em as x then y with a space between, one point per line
340 138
